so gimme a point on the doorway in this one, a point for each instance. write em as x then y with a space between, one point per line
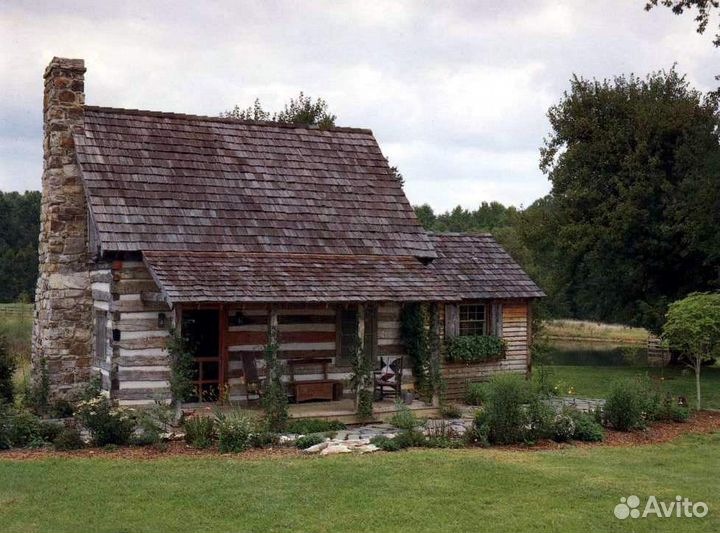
201 329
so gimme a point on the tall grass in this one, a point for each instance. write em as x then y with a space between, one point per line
16 326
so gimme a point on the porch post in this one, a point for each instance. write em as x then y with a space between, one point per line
273 325
435 364
360 349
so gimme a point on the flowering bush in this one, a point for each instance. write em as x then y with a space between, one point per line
235 431
563 427
106 423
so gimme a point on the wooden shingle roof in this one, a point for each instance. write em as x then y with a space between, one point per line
161 181
476 266
234 277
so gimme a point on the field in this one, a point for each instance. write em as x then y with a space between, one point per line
569 490
595 381
16 328
581 330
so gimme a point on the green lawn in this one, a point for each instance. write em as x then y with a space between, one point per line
573 490
595 381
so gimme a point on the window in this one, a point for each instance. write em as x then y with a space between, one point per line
100 336
472 319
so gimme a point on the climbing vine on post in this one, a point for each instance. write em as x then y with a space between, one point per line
418 326
361 379
274 399
182 368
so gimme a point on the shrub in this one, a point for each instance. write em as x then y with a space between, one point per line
313 425
199 431
410 438
475 348
61 408
476 394
671 410
23 429
274 399
627 404
68 439
451 410
49 430
234 430
587 428
7 369
106 423
306 441
563 427
386 444
261 439
478 433
403 417
540 420
506 416
151 423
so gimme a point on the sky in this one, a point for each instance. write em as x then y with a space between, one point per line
456 92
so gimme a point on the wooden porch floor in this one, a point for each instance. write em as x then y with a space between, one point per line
342 410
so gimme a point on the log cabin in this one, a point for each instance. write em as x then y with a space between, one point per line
219 228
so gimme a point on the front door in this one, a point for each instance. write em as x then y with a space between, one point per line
201 328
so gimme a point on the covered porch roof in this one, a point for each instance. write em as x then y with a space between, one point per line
211 277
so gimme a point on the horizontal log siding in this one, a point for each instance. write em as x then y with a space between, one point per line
142 364
515 333
306 331
101 280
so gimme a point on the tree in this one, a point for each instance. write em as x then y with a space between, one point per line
693 326
300 110
19 231
631 160
704 7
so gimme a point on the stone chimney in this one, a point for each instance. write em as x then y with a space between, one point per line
62 330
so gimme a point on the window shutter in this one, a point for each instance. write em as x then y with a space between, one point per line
452 321
497 318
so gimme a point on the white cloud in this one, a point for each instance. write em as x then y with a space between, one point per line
456 92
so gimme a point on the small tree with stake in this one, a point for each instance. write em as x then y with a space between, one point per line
693 326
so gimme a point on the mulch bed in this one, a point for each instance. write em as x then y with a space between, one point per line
699 423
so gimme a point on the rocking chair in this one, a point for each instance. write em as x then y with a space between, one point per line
389 376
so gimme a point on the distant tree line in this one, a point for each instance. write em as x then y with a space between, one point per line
19 230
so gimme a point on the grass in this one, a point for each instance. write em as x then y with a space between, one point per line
573 490
595 381
584 330
16 327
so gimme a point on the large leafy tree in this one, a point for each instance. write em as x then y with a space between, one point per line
19 230
693 326
635 171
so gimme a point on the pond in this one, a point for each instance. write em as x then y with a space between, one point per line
597 354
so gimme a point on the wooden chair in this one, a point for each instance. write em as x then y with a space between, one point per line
253 382
389 376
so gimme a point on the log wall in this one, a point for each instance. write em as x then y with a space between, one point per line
140 371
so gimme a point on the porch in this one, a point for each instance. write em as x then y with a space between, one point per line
341 410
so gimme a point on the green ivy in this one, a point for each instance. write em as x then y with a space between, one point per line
182 367
274 399
475 349
361 380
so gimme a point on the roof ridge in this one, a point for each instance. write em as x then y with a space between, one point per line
198 253
224 120
460 234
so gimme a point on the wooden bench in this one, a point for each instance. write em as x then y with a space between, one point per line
315 389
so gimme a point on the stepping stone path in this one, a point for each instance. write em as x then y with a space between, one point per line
357 439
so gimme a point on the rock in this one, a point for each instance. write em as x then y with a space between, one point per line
368 448
317 448
333 449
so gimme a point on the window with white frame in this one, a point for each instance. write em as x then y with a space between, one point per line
472 319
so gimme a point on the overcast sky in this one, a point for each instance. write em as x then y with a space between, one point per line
455 92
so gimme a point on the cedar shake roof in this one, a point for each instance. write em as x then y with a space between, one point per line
476 266
233 277
162 181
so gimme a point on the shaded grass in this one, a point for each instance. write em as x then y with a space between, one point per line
16 327
595 381
572 490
